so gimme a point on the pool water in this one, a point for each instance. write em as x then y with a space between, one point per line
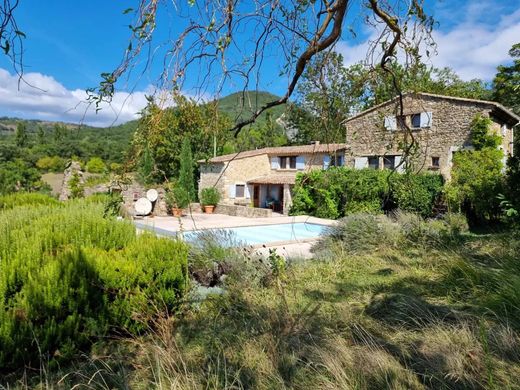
264 234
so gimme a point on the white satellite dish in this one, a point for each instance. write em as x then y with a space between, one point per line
152 195
143 206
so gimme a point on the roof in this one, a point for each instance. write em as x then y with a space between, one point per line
274 179
515 118
280 151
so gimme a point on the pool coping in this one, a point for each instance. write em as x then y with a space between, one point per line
174 234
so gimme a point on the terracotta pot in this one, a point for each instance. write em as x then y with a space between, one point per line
176 212
209 209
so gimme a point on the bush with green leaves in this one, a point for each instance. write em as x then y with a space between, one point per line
209 196
26 199
177 198
337 192
417 193
52 164
96 165
70 277
477 175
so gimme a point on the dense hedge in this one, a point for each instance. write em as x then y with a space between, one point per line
69 276
337 192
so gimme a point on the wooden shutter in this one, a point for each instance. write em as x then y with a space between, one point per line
232 191
300 163
426 119
275 162
360 162
390 122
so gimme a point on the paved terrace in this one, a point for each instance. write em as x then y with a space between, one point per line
169 226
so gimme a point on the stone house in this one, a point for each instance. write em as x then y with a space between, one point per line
439 126
264 177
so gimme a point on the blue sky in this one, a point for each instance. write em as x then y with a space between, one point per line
69 43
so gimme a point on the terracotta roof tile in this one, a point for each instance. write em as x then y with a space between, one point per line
274 179
281 150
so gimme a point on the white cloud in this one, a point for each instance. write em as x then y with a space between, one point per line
42 97
472 48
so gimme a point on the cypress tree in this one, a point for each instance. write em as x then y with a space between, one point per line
186 171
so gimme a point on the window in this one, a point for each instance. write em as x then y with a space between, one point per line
288 162
240 190
436 163
389 162
416 121
336 161
373 162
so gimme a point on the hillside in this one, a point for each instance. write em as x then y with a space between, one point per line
241 105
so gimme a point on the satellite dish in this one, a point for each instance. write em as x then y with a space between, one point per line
152 195
143 206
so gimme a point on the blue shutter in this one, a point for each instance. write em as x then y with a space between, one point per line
300 163
326 162
360 162
397 161
390 123
232 191
426 119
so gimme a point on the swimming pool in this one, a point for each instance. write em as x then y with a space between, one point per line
265 234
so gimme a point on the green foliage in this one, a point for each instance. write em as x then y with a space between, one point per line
507 80
52 164
337 192
76 187
481 134
21 135
417 193
476 181
209 196
96 165
157 143
26 199
70 276
177 198
18 175
476 177
186 171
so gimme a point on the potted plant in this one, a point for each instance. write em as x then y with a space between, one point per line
176 200
209 197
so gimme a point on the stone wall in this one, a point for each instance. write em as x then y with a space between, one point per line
450 131
243 211
241 170
74 167
134 191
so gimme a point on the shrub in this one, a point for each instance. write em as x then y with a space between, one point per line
53 164
177 197
70 276
209 196
96 165
417 193
26 199
337 192
360 232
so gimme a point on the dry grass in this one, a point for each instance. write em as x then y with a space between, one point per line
394 317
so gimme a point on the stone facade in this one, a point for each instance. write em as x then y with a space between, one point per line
444 130
256 169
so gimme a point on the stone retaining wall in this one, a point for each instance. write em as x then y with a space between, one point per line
243 211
